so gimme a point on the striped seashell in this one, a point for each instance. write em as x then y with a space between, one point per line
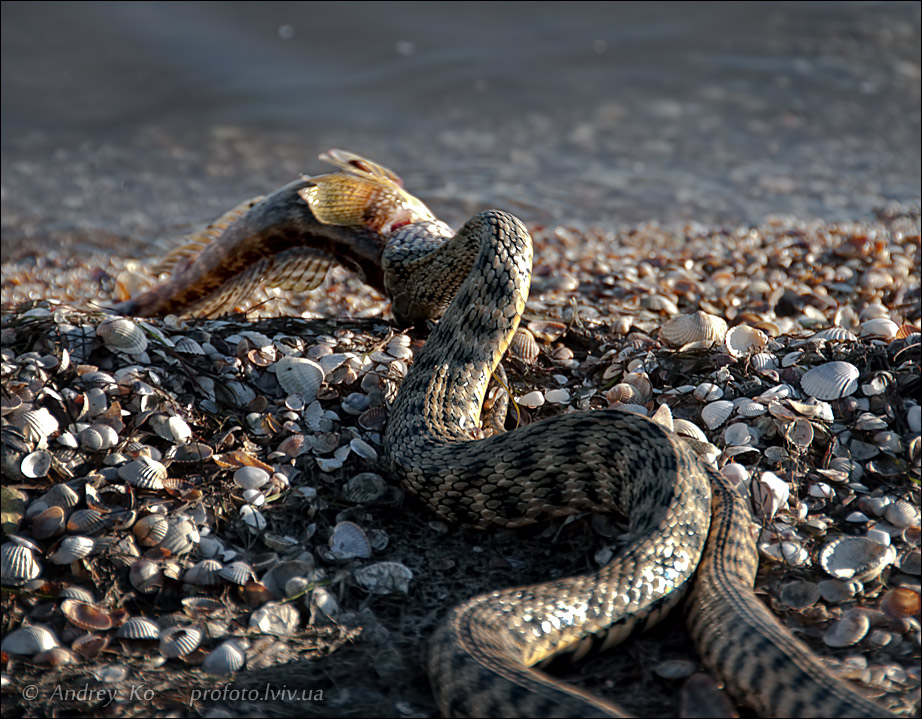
743 340
87 521
384 578
144 472
36 464
902 514
187 345
206 573
349 541
365 487
181 536
98 437
226 659
689 429
29 640
123 335
237 573
763 361
87 616
299 375
708 392
373 419
714 414
178 641
151 529
74 592
524 346
834 334
881 328
61 495
146 576
643 388
38 424
902 602
70 549
747 407
856 558
832 380
50 522
18 564
139 628
693 331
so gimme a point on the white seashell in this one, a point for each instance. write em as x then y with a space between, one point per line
856 558
737 434
363 449
914 418
832 380
769 494
834 334
145 576
70 549
177 641
800 433
237 572
749 407
98 437
881 328
384 578
206 573
763 361
698 330
18 564
348 541
151 529
708 392
743 340
275 618
299 375
29 640
735 473
557 396
791 553
251 477
849 630
38 424
226 659
144 472
181 536
532 400
716 413
902 514
140 628
36 464
821 490
123 335
252 517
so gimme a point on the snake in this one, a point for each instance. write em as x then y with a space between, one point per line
691 532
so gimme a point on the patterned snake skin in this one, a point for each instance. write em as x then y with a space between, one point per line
685 519
481 658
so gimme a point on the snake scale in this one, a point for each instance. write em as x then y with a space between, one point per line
686 521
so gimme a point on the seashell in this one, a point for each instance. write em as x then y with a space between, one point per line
373 419
226 659
237 573
299 375
355 403
800 434
89 645
172 428
38 424
737 434
547 330
251 516
50 522
799 594
139 628
763 361
123 335
914 418
70 549
620 393
849 630
29 640
688 429
558 396
836 591
61 495
151 530
144 472
834 334
324 607
532 400
855 558
524 346
348 541
882 328
708 392
87 521
146 576
206 573
87 616
791 553
716 413
192 452
98 437
180 537
832 380
746 407
363 449
693 331
901 602
36 464
178 641
384 578
769 494
251 477
18 564
911 561
737 474
743 340
643 388
902 514
275 618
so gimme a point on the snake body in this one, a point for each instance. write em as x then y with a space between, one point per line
684 519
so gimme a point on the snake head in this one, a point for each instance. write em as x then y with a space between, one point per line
364 194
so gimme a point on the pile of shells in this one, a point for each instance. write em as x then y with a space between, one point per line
223 476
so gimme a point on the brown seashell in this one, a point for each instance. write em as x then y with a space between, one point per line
86 616
524 346
89 645
48 523
901 602
151 530
697 330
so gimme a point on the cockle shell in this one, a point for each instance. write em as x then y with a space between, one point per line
139 628
177 641
349 541
226 659
299 375
237 573
879 328
698 330
123 335
98 437
524 346
834 334
849 630
743 339
38 424
832 380
36 464
384 578
855 558
29 640
18 563
716 413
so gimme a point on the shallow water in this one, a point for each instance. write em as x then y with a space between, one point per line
125 125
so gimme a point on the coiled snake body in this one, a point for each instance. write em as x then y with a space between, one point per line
684 518
481 658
